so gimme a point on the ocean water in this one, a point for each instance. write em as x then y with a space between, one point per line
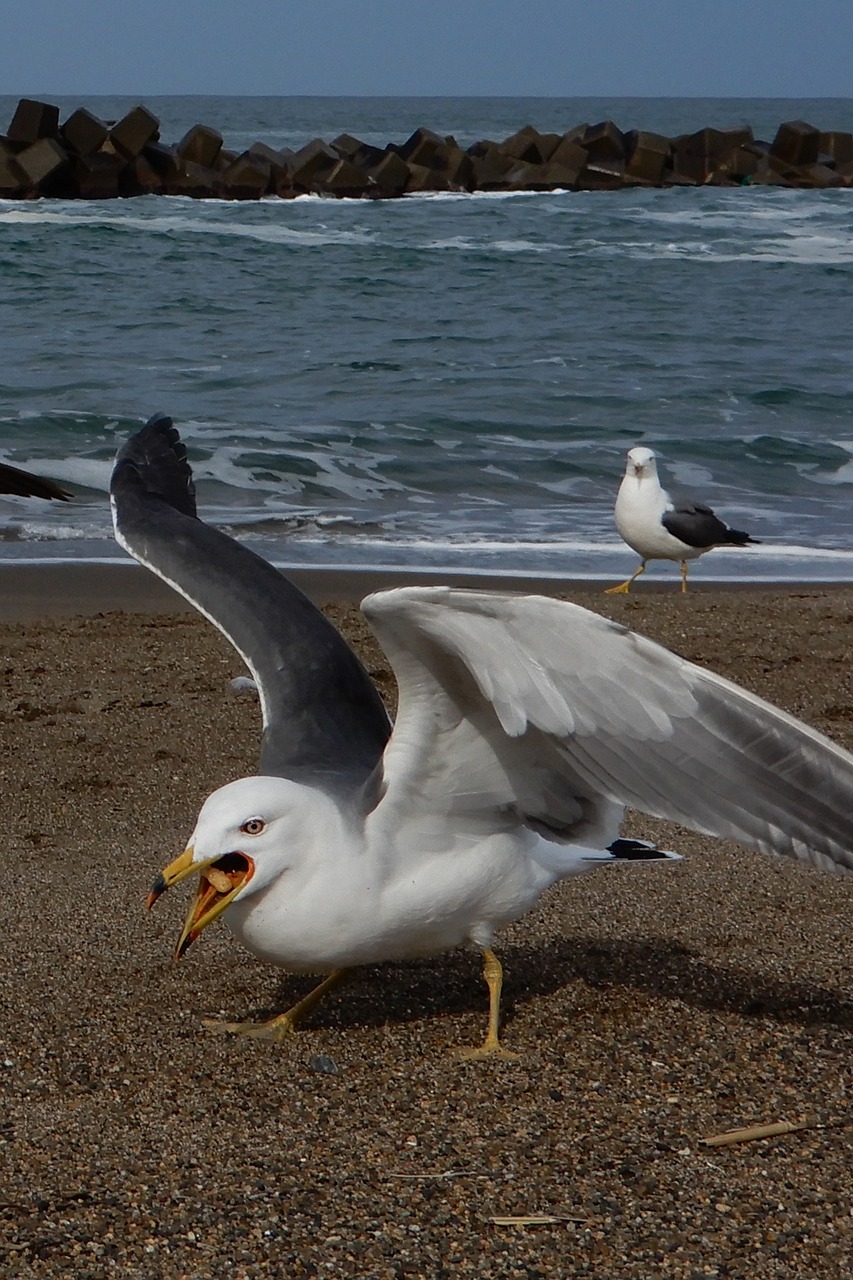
443 381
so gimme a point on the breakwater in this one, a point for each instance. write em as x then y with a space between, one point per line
85 157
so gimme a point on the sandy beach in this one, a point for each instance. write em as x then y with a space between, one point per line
652 1006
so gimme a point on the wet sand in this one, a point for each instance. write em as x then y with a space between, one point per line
651 1006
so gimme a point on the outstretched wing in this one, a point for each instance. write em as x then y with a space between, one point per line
547 710
320 709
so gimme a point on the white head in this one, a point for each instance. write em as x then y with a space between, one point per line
641 464
248 833
263 818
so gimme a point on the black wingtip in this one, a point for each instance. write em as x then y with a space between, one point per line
155 460
739 539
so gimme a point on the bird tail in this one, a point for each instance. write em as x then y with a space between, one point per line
576 860
627 849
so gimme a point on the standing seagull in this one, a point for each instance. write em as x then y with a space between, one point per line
525 725
25 485
659 529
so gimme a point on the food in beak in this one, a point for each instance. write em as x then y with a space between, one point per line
220 880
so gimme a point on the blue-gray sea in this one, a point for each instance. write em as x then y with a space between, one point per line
445 381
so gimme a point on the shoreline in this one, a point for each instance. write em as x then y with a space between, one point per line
32 591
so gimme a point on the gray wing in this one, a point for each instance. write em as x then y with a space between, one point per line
320 709
695 524
26 485
540 708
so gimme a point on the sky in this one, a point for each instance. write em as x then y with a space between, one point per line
536 48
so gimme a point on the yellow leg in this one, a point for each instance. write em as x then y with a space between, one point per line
683 576
491 1046
624 587
284 1024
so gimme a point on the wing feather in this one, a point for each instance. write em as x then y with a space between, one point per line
320 708
568 711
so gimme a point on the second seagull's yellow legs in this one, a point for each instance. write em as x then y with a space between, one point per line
624 586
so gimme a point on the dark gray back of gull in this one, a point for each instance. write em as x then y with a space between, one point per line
322 712
697 526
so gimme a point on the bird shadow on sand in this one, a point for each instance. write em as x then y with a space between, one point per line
452 983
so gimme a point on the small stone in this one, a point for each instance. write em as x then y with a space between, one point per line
324 1065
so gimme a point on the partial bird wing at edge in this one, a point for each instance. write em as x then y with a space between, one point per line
25 485
559 693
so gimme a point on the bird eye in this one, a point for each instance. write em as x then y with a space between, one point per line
253 826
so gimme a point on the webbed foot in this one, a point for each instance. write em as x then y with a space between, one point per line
489 1049
283 1024
276 1029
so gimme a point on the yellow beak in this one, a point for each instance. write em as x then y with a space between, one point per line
220 880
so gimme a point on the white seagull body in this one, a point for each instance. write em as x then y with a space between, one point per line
363 892
659 529
525 725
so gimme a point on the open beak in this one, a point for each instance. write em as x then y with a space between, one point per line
220 880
